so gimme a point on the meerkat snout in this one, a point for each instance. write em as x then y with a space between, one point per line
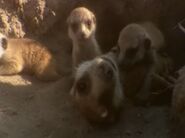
82 24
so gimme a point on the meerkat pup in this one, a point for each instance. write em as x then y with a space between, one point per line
97 91
17 55
82 29
138 44
178 98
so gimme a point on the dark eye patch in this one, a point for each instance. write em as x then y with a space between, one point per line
88 24
74 26
83 85
147 43
116 49
4 43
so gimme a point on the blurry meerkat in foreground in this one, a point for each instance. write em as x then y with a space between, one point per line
138 60
17 55
81 29
178 98
97 91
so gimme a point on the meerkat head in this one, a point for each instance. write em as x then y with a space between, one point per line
134 44
3 44
97 91
81 24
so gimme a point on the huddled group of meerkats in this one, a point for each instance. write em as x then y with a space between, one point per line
102 82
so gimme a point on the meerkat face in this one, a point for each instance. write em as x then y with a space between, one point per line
134 44
3 44
97 91
81 24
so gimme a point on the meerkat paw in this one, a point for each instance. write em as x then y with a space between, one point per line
10 68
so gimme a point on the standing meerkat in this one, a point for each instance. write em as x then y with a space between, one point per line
97 91
138 59
82 29
17 55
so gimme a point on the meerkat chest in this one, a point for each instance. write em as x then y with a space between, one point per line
84 53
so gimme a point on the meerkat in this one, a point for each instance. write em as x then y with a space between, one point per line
81 30
178 97
138 59
18 55
97 91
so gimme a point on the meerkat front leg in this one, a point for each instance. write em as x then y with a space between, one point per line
10 68
144 92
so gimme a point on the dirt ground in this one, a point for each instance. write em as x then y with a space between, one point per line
33 109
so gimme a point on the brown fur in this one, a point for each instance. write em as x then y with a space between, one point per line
29 56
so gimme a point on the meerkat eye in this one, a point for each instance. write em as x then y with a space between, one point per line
109 74
82 87
74 26
88 23
147 44
116 49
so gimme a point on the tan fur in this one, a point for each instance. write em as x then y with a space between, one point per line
139 58
29 56
82 29
97 91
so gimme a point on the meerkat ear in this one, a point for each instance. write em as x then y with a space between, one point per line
4 43
72 93
147 43
104 113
